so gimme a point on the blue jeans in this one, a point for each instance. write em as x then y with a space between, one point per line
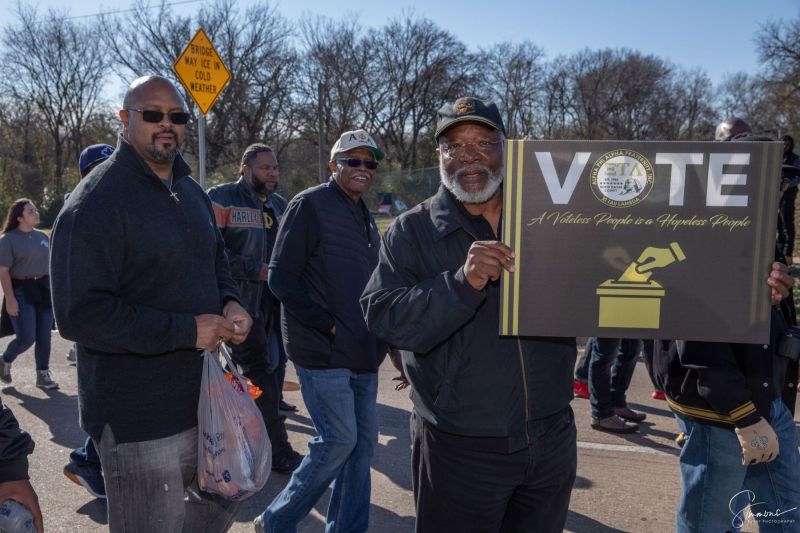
280 364
341 404
610 371
713 479
86 456
274 348
34 323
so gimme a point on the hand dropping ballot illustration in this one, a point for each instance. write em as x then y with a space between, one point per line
634 300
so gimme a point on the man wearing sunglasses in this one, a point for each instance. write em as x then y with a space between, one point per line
326 249
141 283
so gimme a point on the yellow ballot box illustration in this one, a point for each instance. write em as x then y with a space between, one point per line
634 300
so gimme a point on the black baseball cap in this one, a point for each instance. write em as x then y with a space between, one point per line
468 109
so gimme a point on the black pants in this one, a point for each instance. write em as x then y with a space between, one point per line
470 490
252 359
786 231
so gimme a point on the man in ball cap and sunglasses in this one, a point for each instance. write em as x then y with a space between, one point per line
325 251
141 282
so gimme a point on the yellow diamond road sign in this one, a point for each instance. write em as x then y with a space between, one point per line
202 71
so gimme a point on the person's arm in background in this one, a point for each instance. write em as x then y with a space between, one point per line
232 309
241 266
15 446
6 262
12 306
297 240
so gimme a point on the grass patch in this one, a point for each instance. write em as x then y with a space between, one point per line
383 223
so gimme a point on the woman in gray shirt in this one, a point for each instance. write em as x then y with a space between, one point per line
24 255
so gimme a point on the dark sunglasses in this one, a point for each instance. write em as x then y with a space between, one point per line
356 163
179 118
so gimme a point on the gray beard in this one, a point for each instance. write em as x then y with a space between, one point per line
472 197
162 156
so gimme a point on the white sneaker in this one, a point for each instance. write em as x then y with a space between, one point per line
44 381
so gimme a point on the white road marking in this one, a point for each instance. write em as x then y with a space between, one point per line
622 448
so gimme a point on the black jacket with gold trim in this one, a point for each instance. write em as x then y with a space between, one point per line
725 384
239 215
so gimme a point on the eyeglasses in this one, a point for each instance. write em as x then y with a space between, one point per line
179 118
356 163
456 150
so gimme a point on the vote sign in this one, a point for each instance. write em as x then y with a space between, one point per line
670 240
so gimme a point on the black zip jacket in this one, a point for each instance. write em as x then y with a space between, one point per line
726 385
466 379
15 446
131 264
239 214
325 252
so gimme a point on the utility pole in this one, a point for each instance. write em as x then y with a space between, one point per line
323 167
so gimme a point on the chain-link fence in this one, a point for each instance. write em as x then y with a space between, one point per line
394 191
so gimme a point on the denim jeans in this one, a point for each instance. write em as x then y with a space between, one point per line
86 456
152 486
610 371
341 404
33 324
713 479
280 364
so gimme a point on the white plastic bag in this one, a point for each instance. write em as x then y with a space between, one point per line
234 455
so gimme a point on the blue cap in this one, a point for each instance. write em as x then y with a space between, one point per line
92 155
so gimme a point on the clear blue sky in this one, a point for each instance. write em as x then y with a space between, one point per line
688 33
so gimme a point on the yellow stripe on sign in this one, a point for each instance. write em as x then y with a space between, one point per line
517 239
507 201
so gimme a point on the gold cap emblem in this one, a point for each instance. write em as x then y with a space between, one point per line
464 106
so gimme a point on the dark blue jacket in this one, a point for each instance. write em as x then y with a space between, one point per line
326 249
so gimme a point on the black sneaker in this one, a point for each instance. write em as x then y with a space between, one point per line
286 462
289 408
87 477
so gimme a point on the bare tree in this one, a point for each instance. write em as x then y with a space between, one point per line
750 98
336 65
778 45
422 65
52 62
254 45
513 75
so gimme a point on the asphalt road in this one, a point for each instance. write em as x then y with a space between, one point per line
625 483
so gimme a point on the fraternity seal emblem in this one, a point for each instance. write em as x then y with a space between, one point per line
465 106
621 178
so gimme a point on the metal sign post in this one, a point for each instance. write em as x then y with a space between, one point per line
201 156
